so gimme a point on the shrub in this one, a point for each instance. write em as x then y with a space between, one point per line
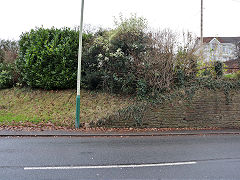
8 51
6 75
122 56
218 67
186 59
158 60
92 80
48 58
128 59
92 72
113 58
129 35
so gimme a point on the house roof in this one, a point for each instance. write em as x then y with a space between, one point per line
232 63
222 39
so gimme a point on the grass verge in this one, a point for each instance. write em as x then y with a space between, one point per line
58 107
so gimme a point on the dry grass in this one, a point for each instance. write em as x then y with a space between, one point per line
58 107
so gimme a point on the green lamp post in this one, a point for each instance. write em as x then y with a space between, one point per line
77 122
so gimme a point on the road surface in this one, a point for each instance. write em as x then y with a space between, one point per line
171 157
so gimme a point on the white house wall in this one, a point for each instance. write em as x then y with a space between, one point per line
214 50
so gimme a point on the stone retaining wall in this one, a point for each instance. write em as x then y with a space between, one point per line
208 108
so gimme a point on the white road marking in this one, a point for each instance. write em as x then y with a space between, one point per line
110 166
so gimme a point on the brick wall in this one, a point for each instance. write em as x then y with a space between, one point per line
208 108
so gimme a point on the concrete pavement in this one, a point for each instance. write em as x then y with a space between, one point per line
61 133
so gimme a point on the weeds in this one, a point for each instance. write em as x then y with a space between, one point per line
58 107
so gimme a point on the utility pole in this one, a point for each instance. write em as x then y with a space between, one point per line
201 38
201 23
77 122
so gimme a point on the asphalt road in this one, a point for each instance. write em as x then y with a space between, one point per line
171 157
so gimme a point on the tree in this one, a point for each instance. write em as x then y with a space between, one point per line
8 51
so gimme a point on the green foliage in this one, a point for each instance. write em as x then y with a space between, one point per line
135 113
233 76
230 76
6 75
180 77
205 68
127 59
185 68
130 60
48 58
218 67
127 42
129 35
92 72
92 81
118 76
1 55
111 60
142 88
238 75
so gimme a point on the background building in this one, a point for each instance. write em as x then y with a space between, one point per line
220 48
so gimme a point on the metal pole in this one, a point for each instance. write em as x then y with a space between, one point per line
77 122
201 38
201 23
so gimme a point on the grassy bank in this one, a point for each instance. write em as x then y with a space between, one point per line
58 107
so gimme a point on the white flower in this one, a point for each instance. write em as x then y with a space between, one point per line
100 56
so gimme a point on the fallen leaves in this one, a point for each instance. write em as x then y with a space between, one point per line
27 126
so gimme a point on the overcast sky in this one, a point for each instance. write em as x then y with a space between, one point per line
221 17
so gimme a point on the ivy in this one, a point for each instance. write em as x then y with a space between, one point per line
136 112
